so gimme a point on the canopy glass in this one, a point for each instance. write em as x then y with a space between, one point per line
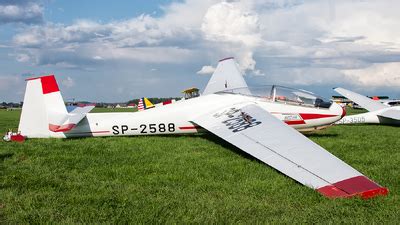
284 95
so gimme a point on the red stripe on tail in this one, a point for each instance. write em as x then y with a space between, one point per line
61 128
49 84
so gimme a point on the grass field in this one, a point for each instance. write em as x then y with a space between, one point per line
181 179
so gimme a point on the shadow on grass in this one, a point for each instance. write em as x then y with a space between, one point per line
320 135
221 142
4 156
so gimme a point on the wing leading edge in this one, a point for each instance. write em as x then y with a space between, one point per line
365 102
268 139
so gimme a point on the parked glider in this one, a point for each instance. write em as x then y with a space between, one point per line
260 121
379 113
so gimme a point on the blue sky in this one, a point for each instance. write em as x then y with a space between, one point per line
103 51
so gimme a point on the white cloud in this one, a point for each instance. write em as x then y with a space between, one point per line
294 42
206 70
22 57
68 82
228 22
20 11
8 81
236 27
377 75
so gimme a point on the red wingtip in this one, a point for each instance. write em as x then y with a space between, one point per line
355 186
375 192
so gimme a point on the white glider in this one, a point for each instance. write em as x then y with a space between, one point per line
379 113
263 122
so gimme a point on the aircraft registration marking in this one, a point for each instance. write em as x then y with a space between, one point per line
237 121
348 120
145 128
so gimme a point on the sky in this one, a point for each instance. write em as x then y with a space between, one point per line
103 51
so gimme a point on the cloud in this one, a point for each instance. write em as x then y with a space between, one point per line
236 27
8 81
292 42
377 75
68 82
206 70
28 12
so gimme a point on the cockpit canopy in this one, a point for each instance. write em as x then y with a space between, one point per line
285 95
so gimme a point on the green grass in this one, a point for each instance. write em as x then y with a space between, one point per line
181 179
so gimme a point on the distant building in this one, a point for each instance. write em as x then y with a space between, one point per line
125 106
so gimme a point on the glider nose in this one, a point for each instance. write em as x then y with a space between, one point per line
338 110
343 112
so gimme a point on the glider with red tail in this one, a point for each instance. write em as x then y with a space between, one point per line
263 122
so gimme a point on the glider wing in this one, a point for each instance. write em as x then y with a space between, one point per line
365 102
260 134
390 113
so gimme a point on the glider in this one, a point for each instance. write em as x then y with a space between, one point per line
379 113
263 122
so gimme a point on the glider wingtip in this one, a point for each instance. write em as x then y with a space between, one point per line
382 191
356 186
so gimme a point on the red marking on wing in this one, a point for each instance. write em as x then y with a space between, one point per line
311 116
49 84
189 128
355 186
295 122
61 128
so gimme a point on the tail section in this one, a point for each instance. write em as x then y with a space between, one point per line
144 104
226 76
43 107
44 112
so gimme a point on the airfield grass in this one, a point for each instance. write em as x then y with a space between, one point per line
185 179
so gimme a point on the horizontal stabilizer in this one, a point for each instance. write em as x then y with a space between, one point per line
71 119
363 101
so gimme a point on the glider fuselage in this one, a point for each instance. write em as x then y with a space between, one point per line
371 117
176 118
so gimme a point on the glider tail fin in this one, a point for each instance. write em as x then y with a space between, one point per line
144 104
226 76
43 106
